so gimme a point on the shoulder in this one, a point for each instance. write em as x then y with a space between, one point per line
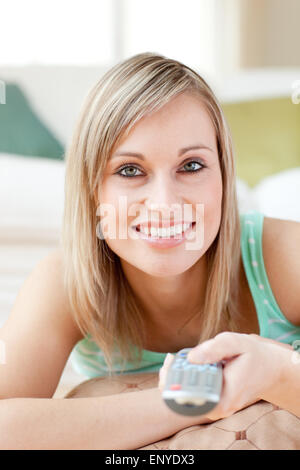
50 273
281 252
39 333
51 268
53 259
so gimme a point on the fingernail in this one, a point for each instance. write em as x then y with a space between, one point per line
168 357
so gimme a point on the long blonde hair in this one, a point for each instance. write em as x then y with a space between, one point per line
101 299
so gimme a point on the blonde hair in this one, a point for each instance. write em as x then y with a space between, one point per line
102 301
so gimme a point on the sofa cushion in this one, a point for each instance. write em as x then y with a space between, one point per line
22 132
261 426
31 199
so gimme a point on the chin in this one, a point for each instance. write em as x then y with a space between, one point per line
166 268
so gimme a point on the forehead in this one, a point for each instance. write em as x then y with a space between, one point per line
183 120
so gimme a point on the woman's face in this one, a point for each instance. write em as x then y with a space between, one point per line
160 182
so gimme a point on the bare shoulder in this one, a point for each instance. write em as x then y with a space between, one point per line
39 333
281 252
43 296
53 265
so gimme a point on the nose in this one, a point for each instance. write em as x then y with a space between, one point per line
163 197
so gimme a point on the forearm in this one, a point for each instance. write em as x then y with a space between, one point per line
122 421
286 392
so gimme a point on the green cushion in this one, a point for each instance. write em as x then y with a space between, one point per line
266 136
21 130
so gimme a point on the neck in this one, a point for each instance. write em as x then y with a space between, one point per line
173 301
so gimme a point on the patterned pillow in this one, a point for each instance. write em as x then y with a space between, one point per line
261 426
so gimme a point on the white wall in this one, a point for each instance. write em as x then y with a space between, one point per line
270 33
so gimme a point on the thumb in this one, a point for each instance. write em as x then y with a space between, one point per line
163 371
168 359
223 346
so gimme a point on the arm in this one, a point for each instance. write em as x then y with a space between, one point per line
122 421
286 391
282 259
38 335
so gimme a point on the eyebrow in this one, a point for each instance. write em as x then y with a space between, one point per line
141 156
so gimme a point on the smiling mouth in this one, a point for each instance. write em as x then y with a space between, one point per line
164 233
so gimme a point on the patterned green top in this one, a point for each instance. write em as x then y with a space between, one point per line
88 359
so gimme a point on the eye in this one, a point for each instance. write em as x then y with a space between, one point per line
126 168
194 170
134 168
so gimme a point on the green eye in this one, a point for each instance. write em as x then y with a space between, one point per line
195 169
125 168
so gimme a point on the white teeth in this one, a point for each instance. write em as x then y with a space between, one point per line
165 232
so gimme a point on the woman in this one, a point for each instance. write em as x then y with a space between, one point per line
151 149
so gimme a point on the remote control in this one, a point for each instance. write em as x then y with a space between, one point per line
192 389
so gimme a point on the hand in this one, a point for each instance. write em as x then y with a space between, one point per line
252 366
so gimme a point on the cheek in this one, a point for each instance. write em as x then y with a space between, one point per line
215 215
210 193
108 213
211 197
111 200
215 193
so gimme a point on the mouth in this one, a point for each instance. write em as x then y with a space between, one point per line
164 233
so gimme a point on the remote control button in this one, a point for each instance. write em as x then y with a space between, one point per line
178 363
181 400
176 376
210 380
203 367
193 377
175 387
189 366
190 401
198 401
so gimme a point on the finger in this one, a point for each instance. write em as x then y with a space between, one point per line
234 395
168 359
223 346
163 370
271 341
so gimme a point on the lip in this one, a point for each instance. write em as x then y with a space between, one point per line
162 224
157 242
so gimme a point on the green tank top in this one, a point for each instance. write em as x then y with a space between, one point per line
87 358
